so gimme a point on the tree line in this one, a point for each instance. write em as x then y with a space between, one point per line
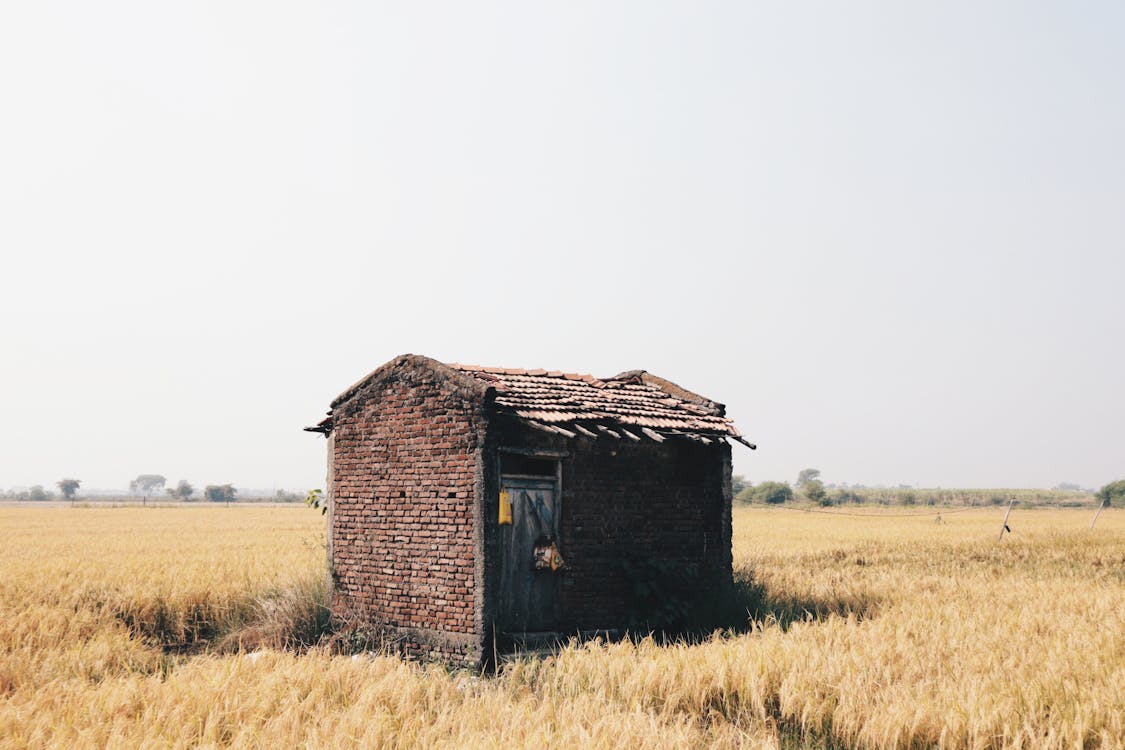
150 484
146 486
810 488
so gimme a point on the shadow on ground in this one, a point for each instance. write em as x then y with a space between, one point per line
751 604
748 604
663 606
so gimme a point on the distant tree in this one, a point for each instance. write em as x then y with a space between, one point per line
841 496
813 489
283 496
38 493
806 476
738 483
68 487
146 484
1113 493
220 493
1068 487
773 493
182 491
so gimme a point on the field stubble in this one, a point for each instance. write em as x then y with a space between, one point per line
190 626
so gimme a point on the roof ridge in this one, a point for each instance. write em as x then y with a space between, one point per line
537 372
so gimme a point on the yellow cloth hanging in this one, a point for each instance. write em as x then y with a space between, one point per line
505 507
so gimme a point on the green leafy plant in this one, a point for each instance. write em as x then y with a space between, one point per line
317 499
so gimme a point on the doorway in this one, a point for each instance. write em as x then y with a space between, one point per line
530 548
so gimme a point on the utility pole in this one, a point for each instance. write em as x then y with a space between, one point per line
1097 514
1005 527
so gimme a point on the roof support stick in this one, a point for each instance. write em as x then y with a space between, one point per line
538 426
584 431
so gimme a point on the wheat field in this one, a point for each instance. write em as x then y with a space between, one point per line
191 626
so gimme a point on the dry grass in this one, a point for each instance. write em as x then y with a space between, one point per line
121 628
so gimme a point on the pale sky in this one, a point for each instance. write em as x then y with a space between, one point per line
889 236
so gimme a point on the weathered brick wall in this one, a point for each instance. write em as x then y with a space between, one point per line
658 506
403 483
654 504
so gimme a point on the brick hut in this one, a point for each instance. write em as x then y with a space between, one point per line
475 506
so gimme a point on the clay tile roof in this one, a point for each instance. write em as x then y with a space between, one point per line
555 399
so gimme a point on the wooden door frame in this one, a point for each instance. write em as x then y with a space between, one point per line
558 456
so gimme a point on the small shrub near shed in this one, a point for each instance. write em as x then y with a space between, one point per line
769 493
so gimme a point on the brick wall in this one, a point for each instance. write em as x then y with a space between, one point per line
403 470
663 504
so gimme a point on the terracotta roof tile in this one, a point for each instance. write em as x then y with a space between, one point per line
557 398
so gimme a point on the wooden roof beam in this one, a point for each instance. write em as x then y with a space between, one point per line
549 428
584 431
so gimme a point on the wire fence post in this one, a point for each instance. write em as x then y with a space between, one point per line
1004 526
1098 513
